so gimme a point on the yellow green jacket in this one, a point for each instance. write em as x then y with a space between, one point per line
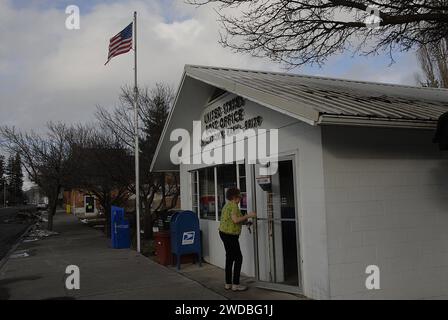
227 225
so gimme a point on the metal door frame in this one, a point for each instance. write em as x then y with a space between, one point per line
269 285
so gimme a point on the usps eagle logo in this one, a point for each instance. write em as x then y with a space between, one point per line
188 238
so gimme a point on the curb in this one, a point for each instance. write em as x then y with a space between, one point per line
14 246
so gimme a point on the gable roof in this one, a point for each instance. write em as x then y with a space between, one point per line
318 100
314 100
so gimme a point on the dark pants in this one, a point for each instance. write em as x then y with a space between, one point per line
233 256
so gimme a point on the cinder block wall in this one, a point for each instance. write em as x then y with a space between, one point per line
386 193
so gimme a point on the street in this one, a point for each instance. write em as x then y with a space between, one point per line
9 232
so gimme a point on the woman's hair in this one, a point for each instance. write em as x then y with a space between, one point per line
232 193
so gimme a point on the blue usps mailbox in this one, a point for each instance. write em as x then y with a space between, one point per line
120 229
185 235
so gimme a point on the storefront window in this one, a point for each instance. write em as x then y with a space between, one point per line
206 194
227 178
207 199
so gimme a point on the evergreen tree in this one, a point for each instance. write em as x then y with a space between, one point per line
14 179
9 180
2 179
18 178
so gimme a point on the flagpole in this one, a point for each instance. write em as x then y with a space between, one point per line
137 165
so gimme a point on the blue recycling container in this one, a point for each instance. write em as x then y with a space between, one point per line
185 235
119 229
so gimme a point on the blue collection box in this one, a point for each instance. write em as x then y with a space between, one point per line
185 235
120 229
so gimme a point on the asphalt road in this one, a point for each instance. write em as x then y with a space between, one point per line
9 232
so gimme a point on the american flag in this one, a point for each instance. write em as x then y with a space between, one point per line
121 43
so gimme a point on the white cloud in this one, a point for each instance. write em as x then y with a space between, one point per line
50 73
56 74
179 34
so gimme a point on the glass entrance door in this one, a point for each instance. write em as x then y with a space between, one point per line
276 231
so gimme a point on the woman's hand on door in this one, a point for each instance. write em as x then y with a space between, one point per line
251 215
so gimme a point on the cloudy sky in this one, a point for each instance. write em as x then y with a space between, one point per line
50 73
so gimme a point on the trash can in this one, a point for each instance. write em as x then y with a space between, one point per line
119 229
162 243
185 236
162 240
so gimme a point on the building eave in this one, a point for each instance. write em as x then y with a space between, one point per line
376 122
165 128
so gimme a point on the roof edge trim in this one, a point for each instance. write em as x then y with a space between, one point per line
371 122
167 123
388 84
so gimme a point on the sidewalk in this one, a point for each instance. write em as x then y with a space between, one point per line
212 278
105 273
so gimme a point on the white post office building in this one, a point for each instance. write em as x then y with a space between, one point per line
360 188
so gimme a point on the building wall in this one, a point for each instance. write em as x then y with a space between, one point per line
76 200
304 141
35 196
386 194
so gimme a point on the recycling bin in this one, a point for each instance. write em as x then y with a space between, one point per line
185 236
120 234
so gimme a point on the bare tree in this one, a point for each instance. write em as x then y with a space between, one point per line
433 60
153 110
45 158
104 168
298 32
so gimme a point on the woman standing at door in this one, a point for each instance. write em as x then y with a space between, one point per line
229 231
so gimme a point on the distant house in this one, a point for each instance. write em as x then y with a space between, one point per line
35 196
